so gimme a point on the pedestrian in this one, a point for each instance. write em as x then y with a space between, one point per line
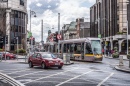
103 51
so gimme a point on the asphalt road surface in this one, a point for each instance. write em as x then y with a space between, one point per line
77 74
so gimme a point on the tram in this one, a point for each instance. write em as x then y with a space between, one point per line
83 49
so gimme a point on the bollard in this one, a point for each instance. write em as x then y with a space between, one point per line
121 61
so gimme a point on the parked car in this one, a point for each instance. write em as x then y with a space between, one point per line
9 55
45 60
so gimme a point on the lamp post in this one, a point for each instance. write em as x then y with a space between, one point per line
104 36
58 33
127 30
31 13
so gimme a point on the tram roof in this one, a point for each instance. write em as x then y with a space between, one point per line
79 40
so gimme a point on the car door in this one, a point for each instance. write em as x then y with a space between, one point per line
39 59
34 60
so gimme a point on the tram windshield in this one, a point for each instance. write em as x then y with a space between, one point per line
96 46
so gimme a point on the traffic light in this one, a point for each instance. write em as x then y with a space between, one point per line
33 41
27 39
6 39
15 40
55 37
1 39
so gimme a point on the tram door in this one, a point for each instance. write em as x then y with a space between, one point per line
82 50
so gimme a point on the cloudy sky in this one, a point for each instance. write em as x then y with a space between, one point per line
48 11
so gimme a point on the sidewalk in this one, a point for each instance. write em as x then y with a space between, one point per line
123 68
110 57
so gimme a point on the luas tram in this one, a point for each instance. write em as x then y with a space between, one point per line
84 49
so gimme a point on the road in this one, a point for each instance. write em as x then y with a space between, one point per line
77 74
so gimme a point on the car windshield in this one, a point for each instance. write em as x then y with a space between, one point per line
48 56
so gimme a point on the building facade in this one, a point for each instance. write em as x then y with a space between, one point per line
14 17
108 18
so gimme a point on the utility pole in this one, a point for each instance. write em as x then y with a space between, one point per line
58 33
42 33
5 47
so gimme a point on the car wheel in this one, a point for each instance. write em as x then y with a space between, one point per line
30 64
60 67
43 65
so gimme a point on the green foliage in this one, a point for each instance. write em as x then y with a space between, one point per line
119 33
116 53
20 51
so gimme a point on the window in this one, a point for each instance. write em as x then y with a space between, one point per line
88 49
34 55
22 2
96 46
38 55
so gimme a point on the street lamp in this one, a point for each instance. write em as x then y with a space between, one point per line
127 28
31 13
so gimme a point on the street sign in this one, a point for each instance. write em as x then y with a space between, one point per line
99 35
59 36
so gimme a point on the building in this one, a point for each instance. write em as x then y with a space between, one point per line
13 22
84 29
108 20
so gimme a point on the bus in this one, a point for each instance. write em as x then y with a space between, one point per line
83 49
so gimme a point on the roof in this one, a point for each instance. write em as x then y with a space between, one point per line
72 25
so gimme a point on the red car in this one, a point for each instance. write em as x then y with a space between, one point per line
9 55
45 60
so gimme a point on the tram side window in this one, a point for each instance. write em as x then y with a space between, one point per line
77 48
71 48
66 48
88 49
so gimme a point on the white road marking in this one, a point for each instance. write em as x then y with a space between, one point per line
27 74
48 76
17 71
105 79
11 69
74 78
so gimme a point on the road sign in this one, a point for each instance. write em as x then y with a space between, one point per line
99 35
59 36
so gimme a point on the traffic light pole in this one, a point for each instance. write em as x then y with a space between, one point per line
31 44
5 48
